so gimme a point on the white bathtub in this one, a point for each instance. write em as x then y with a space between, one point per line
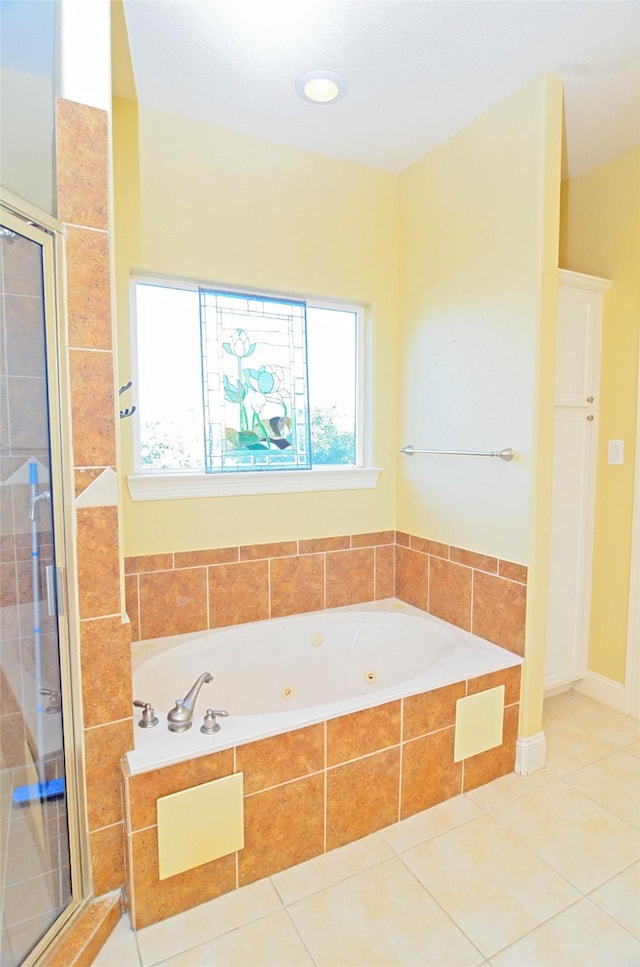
278 675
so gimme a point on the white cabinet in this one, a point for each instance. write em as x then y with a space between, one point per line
574 474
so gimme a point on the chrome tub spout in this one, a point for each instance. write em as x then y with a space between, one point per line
180 716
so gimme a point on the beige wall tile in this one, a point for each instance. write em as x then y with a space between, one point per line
322 544
88 288
431 711
281 758
385 571
104 748
350 577
283 827
450 592
483 768
471 559
412 577
255 552
82 157
362 797
92 408
98 561
509 677
297 585
499 611
173 602
107 859
429 774
361 733
238 593
105 654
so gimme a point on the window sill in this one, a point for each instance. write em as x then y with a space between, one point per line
180 486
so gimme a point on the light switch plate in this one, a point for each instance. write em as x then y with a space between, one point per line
616 453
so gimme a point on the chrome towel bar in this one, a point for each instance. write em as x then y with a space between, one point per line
506 454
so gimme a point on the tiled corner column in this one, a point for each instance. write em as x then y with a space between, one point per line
83 207
315 789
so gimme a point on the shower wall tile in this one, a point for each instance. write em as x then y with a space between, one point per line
105 655
98 561
450 592
385 571
82 150
24 321
362 796
281 758
297 584
499 611
173 602
283 826
361 733
88 288
92 408
238 593
350 577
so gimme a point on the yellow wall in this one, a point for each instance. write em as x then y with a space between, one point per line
204 203
472 252
478 281
600 235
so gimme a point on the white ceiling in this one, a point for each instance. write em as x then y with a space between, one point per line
417 70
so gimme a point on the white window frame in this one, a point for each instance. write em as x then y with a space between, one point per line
149 484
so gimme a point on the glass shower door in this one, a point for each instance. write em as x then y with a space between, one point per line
35 865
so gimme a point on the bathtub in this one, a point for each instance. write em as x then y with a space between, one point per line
282 674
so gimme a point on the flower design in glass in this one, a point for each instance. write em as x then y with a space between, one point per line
254 374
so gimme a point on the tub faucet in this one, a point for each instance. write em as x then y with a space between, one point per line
179 718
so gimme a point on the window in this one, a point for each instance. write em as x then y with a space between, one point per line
233 384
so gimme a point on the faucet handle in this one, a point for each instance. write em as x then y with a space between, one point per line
149 717
209 725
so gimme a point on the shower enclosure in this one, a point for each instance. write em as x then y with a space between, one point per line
41 874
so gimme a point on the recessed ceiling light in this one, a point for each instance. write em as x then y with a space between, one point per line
321 87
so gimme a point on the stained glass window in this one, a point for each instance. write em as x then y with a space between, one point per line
254 375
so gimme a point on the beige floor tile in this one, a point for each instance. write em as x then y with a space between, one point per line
570 747
614 782
270 942
380 917
429 823
603 722
206 921
577 836
633 749
323 871
509 787
581 935
492 886
620 898
120 949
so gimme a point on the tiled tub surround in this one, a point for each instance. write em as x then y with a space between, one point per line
176 593
316 788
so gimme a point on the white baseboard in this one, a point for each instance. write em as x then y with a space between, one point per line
603 690
531 754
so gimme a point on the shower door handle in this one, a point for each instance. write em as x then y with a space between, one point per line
55 590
